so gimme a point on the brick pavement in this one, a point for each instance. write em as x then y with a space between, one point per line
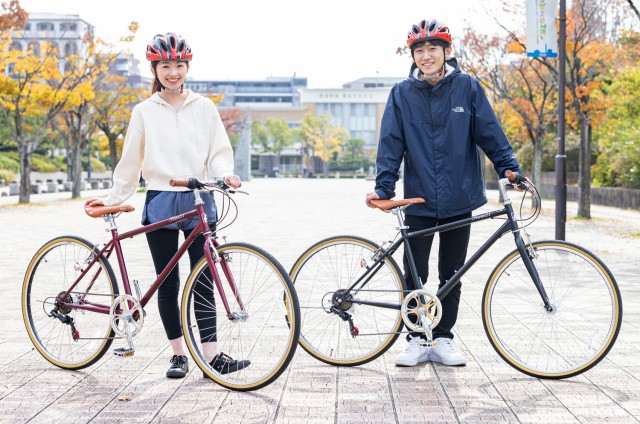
285 216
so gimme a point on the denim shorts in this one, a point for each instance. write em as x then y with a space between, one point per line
160 205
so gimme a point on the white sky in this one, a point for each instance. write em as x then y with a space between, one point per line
330 42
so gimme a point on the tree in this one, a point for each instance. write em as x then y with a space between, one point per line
352 157
233 119
593 30
80 115
525 85
271 135
33 87
322 137
13 16
618 136
112 107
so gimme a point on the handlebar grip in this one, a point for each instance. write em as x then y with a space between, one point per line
190 183
178 183
514 177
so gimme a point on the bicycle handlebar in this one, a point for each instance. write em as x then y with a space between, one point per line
193 183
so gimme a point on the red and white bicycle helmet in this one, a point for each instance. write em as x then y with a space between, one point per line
429 30
169 46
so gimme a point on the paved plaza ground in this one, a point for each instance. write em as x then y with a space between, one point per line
285 216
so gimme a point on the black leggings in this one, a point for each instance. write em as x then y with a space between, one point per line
163 244
451 257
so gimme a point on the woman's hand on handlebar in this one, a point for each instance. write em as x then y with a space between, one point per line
233 181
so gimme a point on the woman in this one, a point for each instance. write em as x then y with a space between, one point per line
175 133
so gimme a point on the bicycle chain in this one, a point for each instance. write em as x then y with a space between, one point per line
382 291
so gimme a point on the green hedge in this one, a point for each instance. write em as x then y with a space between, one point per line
7 175
9 161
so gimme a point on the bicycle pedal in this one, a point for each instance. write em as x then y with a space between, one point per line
124 352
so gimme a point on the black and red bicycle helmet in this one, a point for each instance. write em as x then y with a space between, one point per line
429 30
169 46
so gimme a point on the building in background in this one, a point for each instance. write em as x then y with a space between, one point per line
126 65
66 32
357 106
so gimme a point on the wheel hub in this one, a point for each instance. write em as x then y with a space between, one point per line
64 309
342 300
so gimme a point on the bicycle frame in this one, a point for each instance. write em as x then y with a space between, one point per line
510 225
210 246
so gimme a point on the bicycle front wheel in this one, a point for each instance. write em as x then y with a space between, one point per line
338 328
264 329
52 326
576 334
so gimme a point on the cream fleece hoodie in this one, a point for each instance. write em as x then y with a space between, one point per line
165 144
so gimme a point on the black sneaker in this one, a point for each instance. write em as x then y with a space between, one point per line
225 364
179 366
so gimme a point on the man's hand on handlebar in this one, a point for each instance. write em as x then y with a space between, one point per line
517 181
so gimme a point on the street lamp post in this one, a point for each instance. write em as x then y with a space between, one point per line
561 158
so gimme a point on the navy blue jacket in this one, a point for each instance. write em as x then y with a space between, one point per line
437 131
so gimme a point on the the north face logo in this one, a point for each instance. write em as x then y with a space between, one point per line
458 109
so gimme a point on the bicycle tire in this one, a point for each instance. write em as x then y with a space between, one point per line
267 337
331 265
53 269
567 341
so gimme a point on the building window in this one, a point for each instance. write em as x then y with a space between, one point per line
68 26
70 49
34 47
45 26
27 26
334 109
52 48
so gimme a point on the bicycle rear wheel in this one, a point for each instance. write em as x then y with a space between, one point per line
51 272
567 341
265 331
321 275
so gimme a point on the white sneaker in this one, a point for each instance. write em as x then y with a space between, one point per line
417 351
446 353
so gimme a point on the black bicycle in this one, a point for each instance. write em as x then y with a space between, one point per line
551 309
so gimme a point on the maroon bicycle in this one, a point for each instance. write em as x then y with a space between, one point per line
73 308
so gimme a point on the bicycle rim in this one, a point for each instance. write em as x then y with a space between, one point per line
321 273
267 336
51 272
567 341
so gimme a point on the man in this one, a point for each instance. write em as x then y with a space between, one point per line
435 120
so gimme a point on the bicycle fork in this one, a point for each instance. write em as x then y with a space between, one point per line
527 254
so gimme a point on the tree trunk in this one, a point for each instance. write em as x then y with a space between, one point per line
537 164
113 150
25 173
76 156
584 171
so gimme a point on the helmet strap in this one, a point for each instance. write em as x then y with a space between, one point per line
176 91
435 76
